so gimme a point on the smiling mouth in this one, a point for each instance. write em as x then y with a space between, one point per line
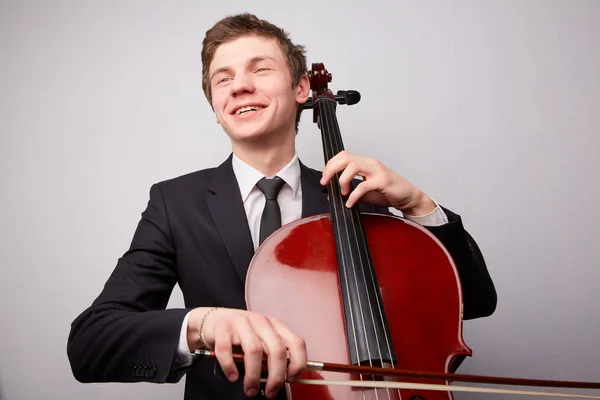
248 109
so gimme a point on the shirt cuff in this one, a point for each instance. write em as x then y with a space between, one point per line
435 218
183 356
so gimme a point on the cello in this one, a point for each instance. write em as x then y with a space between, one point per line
377 296
384 285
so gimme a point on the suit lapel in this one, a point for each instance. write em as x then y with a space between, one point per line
229 215
314 195
226 207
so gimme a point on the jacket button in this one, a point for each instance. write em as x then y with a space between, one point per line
152 372
134 372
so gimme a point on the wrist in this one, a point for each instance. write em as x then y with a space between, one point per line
196 329
420 205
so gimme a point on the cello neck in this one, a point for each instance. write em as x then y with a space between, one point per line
369 339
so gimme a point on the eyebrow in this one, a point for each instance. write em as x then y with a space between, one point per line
253 60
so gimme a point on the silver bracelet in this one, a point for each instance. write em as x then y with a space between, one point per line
202 344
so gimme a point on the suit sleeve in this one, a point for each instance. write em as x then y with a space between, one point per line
479 292
127 335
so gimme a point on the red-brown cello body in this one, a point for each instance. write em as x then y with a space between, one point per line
361 289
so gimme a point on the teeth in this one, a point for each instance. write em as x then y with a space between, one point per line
245 109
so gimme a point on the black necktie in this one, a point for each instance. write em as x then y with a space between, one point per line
271 216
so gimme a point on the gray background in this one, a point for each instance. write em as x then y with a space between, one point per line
491 107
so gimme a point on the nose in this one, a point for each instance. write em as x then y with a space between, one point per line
242 83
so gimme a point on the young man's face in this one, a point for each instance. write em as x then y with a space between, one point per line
252 91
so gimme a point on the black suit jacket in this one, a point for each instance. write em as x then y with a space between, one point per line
194 233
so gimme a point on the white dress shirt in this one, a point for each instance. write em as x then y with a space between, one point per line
290 203
289 198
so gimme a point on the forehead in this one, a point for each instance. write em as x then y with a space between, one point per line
242 50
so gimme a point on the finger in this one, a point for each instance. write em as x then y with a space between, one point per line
351 170
296 349
253 355
336 164
360 190
223 349
276 352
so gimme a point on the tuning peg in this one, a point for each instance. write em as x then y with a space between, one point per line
348 97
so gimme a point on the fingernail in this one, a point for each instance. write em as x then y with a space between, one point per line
272 394
232 377
252 392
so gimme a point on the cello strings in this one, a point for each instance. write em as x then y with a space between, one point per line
364 258
338 205
355 245
377 299
360 241
335 136
328 154
336 148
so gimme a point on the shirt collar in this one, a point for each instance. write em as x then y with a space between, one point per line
247 176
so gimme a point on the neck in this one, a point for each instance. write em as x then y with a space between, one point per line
267 156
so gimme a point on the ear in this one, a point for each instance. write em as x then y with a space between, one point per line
303 89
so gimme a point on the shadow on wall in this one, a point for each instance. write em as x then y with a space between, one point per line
2 397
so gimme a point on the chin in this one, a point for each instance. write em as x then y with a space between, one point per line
250 131
249 135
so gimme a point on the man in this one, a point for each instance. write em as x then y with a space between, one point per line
200 231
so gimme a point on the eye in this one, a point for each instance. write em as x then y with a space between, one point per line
261 69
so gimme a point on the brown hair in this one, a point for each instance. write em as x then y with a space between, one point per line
236 26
